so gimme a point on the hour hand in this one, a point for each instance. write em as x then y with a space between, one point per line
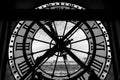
55 38
52 28
39 61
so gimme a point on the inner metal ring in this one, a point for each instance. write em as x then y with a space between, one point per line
61 51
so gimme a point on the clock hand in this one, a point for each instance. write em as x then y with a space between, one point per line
52 34
63 47
55 38
53 31
75 58
61 42
47 54
70 32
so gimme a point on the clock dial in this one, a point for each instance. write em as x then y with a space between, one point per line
59 49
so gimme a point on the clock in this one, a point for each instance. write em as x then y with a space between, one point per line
59 49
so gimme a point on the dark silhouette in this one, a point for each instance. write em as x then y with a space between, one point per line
65 56
93 76
37 75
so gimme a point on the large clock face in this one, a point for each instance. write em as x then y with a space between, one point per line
59 49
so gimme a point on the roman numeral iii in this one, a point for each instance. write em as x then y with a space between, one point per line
19 46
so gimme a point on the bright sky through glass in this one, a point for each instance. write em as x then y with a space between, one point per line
62 27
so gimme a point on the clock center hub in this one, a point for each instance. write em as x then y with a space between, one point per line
61 45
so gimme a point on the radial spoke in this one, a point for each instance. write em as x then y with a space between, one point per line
78 50
65 28
74 28
40 51
66 66
75 31
79 40
74 57
86 39
55 28
55 64
35 39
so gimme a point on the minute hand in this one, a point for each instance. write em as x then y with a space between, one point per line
55 38
71 30
47 54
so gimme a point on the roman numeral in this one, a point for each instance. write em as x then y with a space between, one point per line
24 67
92 27
32 30
96 65
99 46
19 46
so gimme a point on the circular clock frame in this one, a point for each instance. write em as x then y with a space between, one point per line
90 32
